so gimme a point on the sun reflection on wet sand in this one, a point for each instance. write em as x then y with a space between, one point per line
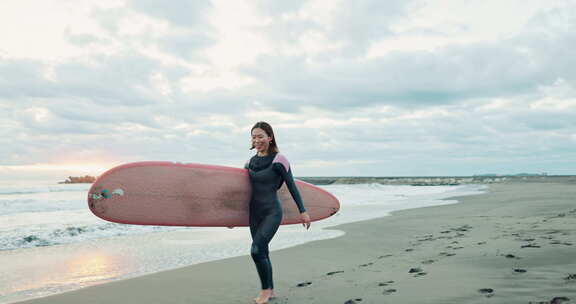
72 271
89 268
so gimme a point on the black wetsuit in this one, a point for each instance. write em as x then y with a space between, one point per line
267 173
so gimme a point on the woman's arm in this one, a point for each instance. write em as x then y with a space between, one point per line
282 166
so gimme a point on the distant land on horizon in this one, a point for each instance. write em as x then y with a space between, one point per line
405 180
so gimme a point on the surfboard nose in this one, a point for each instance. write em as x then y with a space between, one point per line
98 195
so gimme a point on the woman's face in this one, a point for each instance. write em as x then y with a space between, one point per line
260 140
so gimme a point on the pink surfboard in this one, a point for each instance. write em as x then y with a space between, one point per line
189 194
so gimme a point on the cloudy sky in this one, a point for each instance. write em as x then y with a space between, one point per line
367 87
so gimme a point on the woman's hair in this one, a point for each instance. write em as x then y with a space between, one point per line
273 147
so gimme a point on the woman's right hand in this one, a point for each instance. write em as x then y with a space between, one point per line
305 218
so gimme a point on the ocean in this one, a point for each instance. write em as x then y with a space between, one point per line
51 243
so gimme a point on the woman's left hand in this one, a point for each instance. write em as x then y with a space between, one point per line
305 219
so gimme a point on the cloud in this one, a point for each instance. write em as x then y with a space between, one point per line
352 88
186 13
275 8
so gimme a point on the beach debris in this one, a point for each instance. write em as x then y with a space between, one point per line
385 256
480 243
304 284
519 270
511 256
409 249
488 292
389 291
353 301
334 272
571 277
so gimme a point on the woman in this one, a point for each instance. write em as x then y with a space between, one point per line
268 169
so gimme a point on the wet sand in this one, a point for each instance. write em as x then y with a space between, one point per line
514 244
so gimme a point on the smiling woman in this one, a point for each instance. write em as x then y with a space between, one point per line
268 170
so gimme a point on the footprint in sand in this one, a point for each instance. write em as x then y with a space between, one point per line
530 246
428 261
334 272
462 228
520 270
304 284
389 291
553 232
385 283
559 300
488 292
419 272
353 301
367 264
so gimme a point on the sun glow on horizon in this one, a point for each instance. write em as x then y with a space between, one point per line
88 167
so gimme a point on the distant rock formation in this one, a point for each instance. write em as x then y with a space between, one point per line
79 180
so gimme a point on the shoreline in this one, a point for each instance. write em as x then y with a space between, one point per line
460 250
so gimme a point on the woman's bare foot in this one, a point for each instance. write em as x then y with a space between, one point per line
265 295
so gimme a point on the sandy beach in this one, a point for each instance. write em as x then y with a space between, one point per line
514 244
